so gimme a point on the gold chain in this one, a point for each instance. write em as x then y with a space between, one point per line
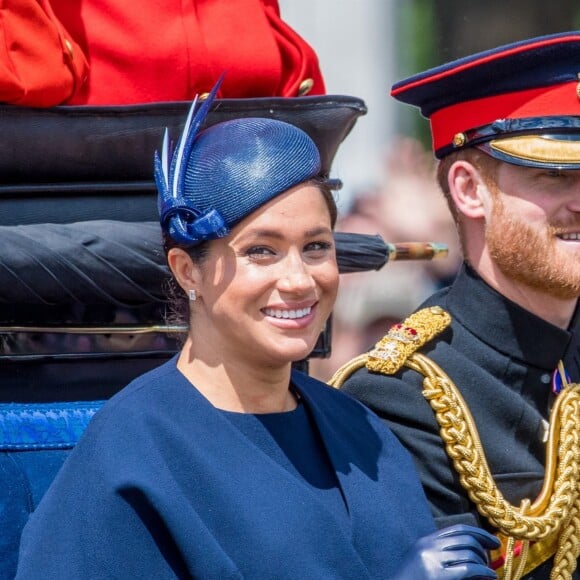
557 508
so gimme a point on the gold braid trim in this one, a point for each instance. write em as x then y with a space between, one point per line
552 522
566 558
340 376
557 508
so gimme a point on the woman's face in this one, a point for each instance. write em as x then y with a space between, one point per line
266 290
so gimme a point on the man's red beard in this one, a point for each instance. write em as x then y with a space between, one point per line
533 258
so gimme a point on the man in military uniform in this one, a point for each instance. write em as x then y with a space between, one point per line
479 383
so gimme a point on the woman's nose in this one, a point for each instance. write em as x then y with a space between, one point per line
295 275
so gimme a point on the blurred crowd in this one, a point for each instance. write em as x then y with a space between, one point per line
407 206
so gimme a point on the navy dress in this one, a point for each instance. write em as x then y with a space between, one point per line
164 485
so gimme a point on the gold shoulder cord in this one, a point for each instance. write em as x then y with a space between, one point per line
552 521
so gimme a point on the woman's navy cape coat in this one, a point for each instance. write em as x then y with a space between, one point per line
163 485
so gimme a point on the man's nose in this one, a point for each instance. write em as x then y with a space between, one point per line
574 201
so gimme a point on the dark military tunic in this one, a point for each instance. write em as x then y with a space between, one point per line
502 358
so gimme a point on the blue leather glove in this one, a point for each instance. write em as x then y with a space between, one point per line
452 553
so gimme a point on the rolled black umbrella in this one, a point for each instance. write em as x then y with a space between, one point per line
364 252
103 262
122 263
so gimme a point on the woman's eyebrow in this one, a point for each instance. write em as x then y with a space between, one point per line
276 234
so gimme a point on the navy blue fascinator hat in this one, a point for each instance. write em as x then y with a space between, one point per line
216 177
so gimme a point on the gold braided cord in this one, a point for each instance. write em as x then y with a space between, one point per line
566 558
508 568
557 508
345 371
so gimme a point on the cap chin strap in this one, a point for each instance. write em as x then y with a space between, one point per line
537 141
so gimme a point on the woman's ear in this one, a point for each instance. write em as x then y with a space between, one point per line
185 272
468 189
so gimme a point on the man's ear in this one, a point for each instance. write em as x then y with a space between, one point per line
468 189
183 269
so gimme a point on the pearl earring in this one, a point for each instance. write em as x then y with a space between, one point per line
192 294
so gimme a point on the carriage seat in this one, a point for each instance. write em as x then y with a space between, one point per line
35 439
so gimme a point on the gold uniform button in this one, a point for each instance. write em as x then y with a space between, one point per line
545 435
305 87
69 48
203 96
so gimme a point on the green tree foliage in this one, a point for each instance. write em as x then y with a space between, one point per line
432 32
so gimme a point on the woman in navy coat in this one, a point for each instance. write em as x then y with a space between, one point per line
224 462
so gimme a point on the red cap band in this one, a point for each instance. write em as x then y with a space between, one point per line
558 100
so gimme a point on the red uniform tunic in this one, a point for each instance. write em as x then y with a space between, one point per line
167 50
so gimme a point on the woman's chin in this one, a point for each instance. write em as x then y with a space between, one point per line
294 351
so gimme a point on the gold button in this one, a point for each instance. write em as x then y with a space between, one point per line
69 48
203 96
305 87
459 139
545 431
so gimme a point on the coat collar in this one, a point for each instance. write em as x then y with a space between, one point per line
503 324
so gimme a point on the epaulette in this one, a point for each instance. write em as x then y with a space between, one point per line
390 353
